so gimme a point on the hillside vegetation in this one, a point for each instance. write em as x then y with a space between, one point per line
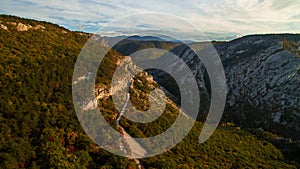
38 124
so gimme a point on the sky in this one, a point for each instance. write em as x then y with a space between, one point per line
218 19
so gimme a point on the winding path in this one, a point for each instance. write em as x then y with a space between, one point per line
135 149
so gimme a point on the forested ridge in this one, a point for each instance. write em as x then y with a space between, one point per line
38 124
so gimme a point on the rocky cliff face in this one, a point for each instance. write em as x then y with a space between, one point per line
128 71
263 81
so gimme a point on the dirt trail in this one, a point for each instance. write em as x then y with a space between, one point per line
133 147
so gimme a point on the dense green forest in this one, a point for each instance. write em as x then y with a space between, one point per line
39 127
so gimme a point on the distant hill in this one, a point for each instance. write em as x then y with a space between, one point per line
132 44
40 129
145 38
135 38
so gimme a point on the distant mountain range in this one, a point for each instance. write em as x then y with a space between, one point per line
145 39
136 38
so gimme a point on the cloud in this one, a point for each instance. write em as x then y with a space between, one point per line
219 18
283 4
3 11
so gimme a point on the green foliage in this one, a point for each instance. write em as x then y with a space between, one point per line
227 148
36 109
58 150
